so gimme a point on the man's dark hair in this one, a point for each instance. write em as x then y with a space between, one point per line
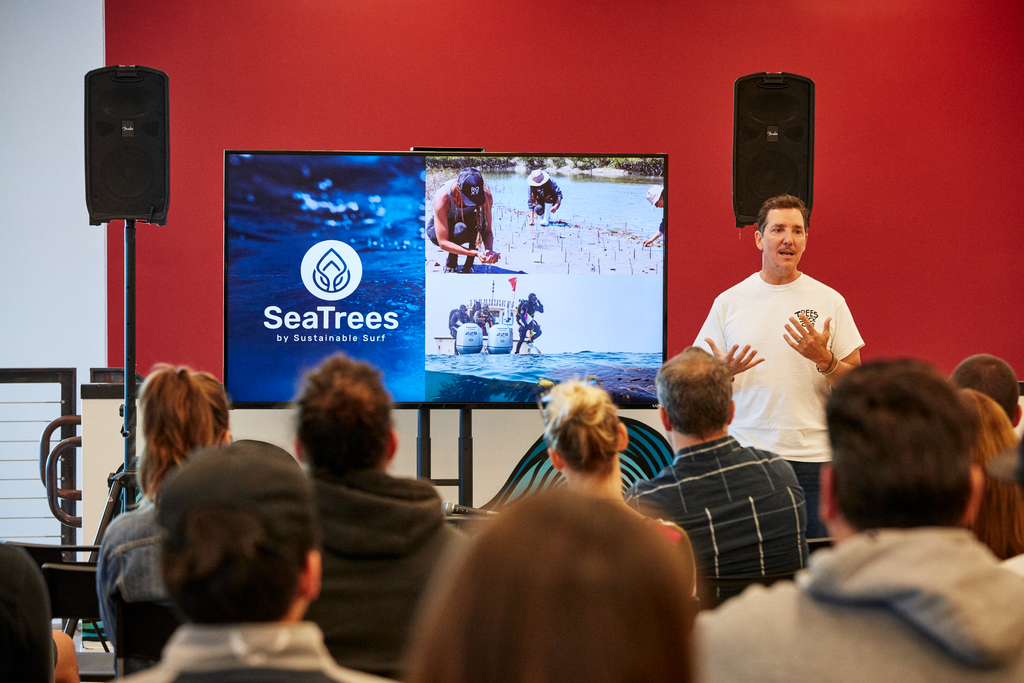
344 418
220 567
901 439
695 389
991 376
783 201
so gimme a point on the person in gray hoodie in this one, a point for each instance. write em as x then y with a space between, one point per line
382 535
907 593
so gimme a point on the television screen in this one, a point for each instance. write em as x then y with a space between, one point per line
473 280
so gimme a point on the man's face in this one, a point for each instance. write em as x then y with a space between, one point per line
781 245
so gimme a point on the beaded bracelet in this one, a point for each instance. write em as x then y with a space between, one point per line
831 368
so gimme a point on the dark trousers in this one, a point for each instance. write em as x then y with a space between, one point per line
809 475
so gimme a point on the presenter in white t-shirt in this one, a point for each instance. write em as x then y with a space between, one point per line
807 341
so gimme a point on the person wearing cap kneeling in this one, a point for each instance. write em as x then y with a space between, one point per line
462 214
241 560
543 190
656 196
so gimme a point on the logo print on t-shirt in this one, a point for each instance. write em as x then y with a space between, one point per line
811 316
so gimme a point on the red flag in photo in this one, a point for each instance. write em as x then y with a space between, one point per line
512 281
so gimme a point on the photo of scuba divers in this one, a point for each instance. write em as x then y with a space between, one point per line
484 336
582 215
488 327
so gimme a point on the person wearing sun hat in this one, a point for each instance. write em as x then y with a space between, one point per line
461 216
656 196
543 190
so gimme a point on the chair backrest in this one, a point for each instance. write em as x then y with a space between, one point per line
72 590
713 591
143 628
42 553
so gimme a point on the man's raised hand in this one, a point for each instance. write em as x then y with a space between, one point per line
736 364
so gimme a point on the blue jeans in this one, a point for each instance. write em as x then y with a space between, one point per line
809 476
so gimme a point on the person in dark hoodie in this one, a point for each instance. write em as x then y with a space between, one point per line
382 535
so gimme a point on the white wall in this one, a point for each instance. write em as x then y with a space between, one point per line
52 262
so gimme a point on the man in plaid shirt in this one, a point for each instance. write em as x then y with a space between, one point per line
741 507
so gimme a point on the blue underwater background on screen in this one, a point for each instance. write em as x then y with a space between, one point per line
278 206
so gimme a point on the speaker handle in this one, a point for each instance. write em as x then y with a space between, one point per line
771 80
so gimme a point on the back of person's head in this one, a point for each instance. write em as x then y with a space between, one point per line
901 438
240 522
181 410
991 376
999 523
581 423
344 419
558 589
783 201
695 389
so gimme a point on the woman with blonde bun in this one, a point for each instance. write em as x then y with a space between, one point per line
584 437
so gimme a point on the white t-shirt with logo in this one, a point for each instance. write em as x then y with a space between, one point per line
780 403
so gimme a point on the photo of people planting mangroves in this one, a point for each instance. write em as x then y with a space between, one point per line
570 215
543 269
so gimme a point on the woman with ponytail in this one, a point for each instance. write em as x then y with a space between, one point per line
180 410
584 437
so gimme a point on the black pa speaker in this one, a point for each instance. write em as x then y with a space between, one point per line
772 141
127 146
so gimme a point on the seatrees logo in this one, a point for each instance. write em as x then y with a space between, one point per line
331 270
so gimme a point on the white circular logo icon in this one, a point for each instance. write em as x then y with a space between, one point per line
331 270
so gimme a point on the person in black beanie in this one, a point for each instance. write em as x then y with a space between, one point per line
241 559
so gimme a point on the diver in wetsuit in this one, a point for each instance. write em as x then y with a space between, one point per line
525 313
481 316
462 212
457 317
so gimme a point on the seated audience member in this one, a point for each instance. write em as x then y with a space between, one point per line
382 535
906 594
742 508
1000 520
241 561
1008 467
584 437
27 647
993 377
559 589
180 410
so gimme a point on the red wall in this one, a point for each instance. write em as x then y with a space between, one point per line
919 164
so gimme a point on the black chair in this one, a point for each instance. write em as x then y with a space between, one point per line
72 588
814 544
713 591
43 553
143 628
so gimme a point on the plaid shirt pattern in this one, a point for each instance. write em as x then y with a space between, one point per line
741 507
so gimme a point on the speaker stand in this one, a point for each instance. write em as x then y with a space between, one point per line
129 489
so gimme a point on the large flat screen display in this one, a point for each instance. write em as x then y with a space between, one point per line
473 280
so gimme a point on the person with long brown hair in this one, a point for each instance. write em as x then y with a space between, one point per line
999 523
559 589
180 411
